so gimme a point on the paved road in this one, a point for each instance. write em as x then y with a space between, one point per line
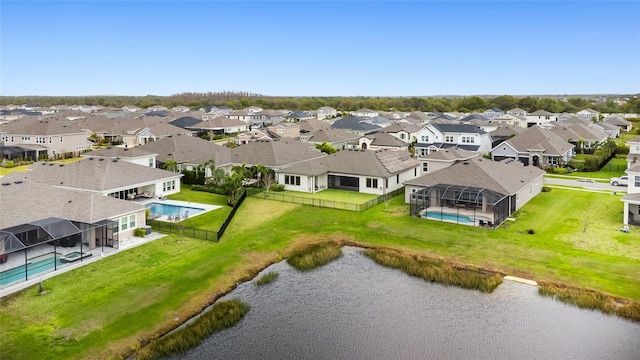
584 184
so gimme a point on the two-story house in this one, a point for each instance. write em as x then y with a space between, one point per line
326 112
589 114
510 120
633 158
492 113
434 137
365 112
631 212
518 112
540 117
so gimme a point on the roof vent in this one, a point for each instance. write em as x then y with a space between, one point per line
18 182
465 163
114 160
52 164
6 184
101 159
126 149
61 165
90 158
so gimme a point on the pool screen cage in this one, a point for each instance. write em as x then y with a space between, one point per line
454 199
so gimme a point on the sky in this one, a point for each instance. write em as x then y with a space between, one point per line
319 48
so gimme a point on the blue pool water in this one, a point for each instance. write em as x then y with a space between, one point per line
168 209
436 215
37 265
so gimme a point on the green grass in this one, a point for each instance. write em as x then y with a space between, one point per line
436 270
267 278
331 195
224 314
314 256
6 171
211 220
614 168
112 306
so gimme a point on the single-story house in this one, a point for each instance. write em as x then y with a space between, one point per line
535 146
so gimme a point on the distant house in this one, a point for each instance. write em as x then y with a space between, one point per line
274 154
476 192
157 108
492 113
610 129
382 140
619 121
364 112
404 131
220 125
254 135
135 155
583 136
373 172
540 117
435 137
298 115
504 133
535 146
339 139
180 109
326 112
517 112
510 120
588 114
285 130
356 125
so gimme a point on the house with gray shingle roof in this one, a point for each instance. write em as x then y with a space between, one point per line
476 192
189 152
326 112
382 140
339 139
444 158
274 154
109 177
354 124
588 114
492 113
366 171
583 136
518 112
535 146
134 155
619 121
510 120
434 137
610 129
220 125
365 112
540 117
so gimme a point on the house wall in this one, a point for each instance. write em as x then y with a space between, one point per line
503 150
529 191
161 190
140 221
144 161
633 178
306 182
434 166
408 190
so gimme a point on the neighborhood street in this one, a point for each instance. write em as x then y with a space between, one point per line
587 184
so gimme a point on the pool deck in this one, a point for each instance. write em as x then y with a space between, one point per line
124 245
205 207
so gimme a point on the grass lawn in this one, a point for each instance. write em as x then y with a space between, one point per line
6 171
105 308
211 220
614 168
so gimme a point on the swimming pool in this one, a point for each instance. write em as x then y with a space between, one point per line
35 266
445 216
74 256
174 210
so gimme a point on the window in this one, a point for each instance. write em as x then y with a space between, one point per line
132 221
60 138
636 181
115 225
425 167
124 225
292 180
424 138
402 136
448 138
468 140
150 162
638 148
372 183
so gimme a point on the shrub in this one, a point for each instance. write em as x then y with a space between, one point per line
8 164
546 189
267 278
530 231
621 149
276 187
139 232
559 170
314 256
210 189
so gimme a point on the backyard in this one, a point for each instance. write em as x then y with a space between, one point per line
134 295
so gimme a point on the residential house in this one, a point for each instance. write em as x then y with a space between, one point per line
157 108
364 112
382 140
589 114
619 121
374 172
540 117
633 157
631 209
298 115
189 153
339 139
274 154
254 135
180 109
611 130
510 120
186 122
285 130
492 113
565 116
435 137
356 125
404 131
220 125
48 137
326 112
131 108
535 146
585 137
135 155
444 158
473 192
474 117
518 112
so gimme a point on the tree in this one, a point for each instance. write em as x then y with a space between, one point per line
170 165
326 148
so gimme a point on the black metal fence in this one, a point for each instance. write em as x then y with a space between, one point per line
341 205
232 214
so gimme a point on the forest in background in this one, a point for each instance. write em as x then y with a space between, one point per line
241 100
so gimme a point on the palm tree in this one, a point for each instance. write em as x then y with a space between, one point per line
170 165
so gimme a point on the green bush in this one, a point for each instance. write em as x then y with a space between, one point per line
621 149
276 187
546 189
139 232
8 164
559 170
210 189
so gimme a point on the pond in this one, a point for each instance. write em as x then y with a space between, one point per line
353 308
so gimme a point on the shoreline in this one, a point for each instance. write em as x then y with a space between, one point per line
253 272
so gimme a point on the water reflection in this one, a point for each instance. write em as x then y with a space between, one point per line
355 309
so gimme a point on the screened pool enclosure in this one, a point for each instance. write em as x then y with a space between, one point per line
462 205
31 249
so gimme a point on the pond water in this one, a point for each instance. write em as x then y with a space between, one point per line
353 308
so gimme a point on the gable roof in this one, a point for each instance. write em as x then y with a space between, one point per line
331 136
217 123
451 154
537 138
504 177
385 139
188 149
118 152
374 163
353 123
541 113
185 121
32 125
275 153
30 201
577 131
458 128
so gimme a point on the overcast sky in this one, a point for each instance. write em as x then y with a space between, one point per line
319 48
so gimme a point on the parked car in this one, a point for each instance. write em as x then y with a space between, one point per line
621 181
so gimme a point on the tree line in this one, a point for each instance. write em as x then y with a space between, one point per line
241 100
